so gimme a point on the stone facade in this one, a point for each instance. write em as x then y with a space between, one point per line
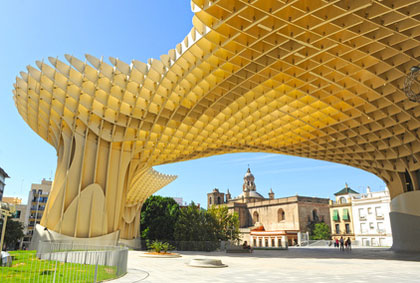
289 213
215 197
285 216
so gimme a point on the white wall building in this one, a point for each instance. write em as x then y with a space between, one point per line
37 201
371 221
3 176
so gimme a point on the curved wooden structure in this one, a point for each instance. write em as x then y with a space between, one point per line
318 79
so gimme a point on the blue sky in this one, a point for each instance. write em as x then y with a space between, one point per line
34 30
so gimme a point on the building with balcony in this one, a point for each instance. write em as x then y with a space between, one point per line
3 176
20 212
341 214
372 226
37 200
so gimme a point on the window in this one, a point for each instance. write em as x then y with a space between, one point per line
371 226
266 242
260 242
209 200
381 227
280 215
348 228
273 242
343 200
363 228
378 212
365 242
315 215
369 210
362 214
382 242
346 214
255 243
374 242
337 228
336 217
218 200
16 214
255 217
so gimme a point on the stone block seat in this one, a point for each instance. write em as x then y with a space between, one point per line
238 249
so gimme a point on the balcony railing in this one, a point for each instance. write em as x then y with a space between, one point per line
342 232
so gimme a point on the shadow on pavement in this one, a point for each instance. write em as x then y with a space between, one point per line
322 253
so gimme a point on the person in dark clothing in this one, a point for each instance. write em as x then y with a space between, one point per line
348 244
341 243
245 246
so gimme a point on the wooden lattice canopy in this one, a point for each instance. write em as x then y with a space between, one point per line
312 78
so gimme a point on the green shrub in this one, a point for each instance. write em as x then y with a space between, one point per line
158 247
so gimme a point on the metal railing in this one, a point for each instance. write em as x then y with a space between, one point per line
66 262
191 245
316 243
326 243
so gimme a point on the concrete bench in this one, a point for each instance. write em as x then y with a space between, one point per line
238 250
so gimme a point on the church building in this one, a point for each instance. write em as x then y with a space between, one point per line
272 222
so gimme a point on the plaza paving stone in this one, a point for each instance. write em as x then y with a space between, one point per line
293 265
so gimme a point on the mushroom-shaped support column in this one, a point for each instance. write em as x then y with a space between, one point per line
102 176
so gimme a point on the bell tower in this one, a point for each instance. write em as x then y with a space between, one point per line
215 198
249 184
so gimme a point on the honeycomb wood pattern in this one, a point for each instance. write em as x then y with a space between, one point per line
312 78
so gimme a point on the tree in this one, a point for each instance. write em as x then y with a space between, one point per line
195 224
158 218
196 229
321 231
14 233
227 223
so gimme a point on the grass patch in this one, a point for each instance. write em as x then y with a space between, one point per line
26 267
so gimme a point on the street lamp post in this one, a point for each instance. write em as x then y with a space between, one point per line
6 210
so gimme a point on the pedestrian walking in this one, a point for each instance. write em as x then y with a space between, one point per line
341 243
348 244
337 243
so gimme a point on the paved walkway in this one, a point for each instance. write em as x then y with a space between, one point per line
293 265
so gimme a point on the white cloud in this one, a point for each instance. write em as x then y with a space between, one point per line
301 169
249 160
